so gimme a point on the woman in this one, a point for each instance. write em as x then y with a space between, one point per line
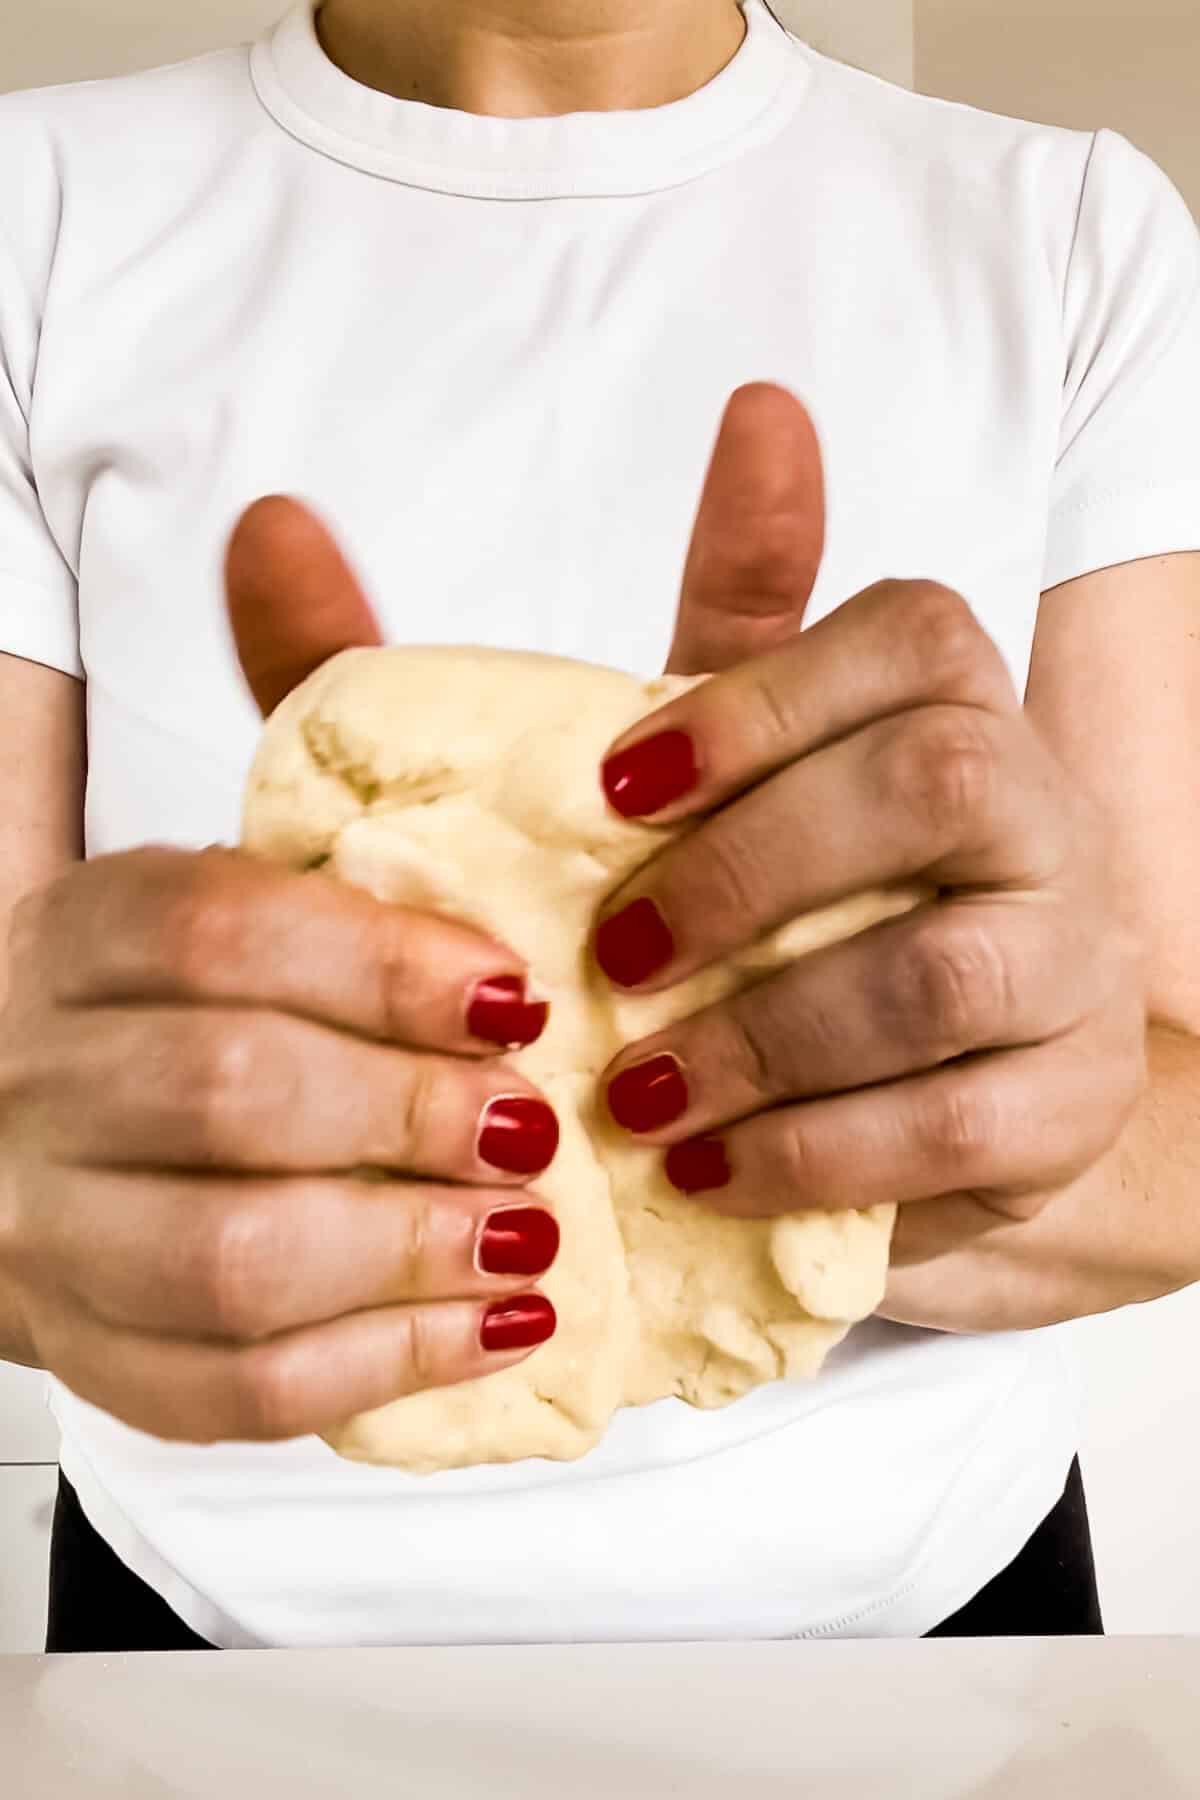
481 279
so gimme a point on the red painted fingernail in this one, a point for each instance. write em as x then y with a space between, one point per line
698 1164
518 1324
648 1095
518 1240
634 944
500 1014
651 775
518 1135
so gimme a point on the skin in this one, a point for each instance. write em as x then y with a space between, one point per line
192 1251
530 58
198 1055
1017 1064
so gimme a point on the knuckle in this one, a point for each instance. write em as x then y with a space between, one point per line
267 1392
950 986
774 561
416 1107
734 882
804 1170
198 928
220 1082
422 1363
948 642
956 1127
771 705
754 1050
942 769
231 1271
417 1259
759 1039
394 974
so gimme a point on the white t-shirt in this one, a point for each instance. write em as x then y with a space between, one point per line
493 353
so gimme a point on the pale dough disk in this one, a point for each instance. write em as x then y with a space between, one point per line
466 780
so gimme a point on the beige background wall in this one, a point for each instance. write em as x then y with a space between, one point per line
73 40
872 34
1133 65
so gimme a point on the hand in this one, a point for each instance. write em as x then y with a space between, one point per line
968 1060
203 1058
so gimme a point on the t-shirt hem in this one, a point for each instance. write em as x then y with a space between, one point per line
953 1565
126 1541
925 1601
949 1577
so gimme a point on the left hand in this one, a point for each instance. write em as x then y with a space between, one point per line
969 1060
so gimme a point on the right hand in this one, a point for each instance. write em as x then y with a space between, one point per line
201 1057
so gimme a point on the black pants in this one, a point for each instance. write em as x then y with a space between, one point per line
96 1603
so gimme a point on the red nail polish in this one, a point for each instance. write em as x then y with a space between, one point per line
517 1324
698 1164
634 944
651 774
518 1240
500 1014
648 1095
518 1135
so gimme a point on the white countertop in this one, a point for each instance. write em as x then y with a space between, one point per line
1071 1719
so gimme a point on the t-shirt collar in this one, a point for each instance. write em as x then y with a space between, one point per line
638 151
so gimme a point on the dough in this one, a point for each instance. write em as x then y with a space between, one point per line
467 781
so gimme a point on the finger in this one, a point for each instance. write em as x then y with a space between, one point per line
961 975
202 1257
1006 1125
171 1087
218 927
296 1384
951 794
894 646
292 598
758 537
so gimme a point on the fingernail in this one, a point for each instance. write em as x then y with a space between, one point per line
518 1240
518 1135
697 1165
648 1095
517 1324
634 944
651 775
500 1013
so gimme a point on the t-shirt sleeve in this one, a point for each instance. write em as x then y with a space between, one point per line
39 595
1127 478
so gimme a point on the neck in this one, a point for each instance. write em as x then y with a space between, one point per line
532 58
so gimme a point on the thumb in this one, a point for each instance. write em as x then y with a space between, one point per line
292 598
759 534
